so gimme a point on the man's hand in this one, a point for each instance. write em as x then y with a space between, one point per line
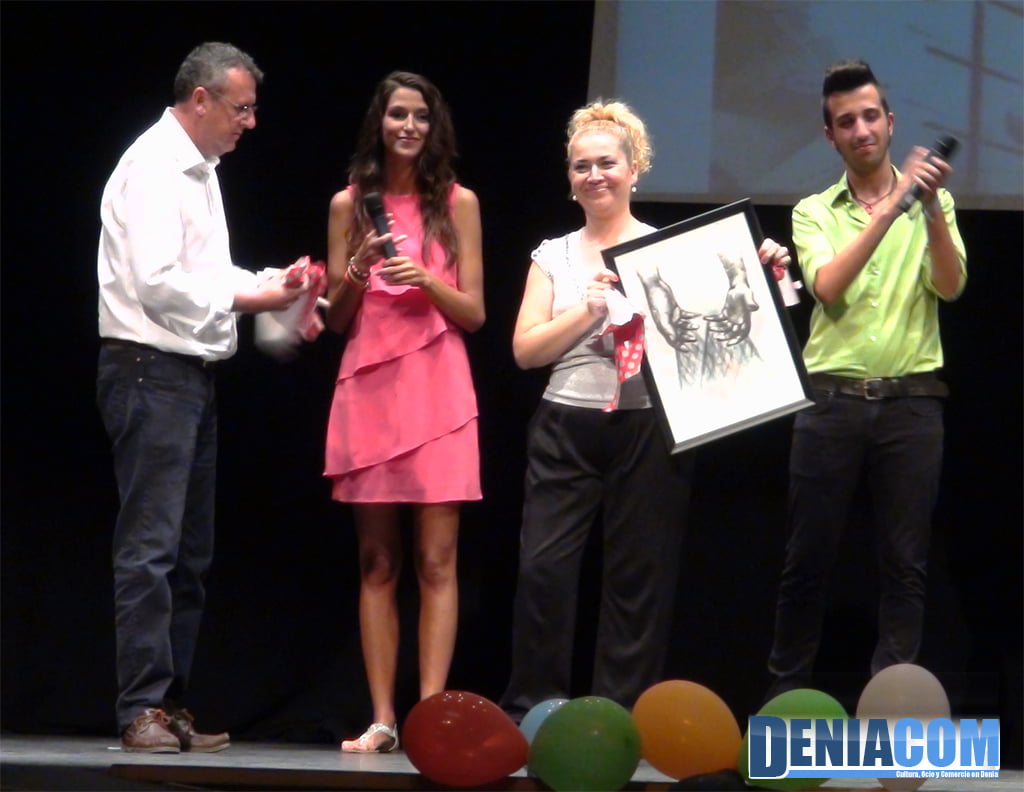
272 294
928 173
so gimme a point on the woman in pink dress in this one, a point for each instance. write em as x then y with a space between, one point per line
403 424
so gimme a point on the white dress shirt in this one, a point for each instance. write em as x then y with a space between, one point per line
164 263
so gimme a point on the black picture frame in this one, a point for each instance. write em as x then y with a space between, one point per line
721 354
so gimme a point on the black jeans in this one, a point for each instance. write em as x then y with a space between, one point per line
585 467
160 413
895 447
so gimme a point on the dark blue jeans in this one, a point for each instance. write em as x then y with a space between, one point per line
159 411
588 469
893 446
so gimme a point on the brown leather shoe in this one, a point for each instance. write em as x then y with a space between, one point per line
149 733
180 726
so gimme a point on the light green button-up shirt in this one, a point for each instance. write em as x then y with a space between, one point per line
886 322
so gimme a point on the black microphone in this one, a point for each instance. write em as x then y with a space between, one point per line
375 208
944 147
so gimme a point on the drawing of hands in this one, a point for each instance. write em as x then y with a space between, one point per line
679 326
732 324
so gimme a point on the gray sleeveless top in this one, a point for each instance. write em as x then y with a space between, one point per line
584 376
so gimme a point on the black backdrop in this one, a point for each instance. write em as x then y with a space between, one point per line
279 655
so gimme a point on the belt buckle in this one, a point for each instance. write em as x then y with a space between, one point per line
872 388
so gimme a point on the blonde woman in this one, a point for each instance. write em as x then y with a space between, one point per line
587 468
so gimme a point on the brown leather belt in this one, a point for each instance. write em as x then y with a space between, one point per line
872 388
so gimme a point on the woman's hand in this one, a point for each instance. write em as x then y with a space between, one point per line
371 249
403 271
597 290
775 255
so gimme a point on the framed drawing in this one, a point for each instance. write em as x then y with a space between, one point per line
721 355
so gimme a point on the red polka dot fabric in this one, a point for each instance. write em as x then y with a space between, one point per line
629 353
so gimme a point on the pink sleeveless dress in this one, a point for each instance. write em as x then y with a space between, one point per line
403 423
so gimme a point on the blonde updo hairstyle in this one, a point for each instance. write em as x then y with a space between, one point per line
617 119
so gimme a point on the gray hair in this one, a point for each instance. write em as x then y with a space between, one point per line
208 64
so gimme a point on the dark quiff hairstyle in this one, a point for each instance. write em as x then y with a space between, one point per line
847 75
435 175
207 65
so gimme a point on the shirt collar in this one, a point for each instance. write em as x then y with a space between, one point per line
185 151
840 191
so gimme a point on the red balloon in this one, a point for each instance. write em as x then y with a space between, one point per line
462 740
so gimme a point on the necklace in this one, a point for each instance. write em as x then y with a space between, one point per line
869 206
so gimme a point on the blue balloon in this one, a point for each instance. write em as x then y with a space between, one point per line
535 717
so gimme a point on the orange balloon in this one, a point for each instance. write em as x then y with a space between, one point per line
686 729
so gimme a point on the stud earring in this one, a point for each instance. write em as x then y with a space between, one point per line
633 188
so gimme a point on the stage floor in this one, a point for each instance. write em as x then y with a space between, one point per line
87 764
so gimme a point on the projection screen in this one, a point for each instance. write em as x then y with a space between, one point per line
731 90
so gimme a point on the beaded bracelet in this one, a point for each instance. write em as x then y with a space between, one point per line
355 277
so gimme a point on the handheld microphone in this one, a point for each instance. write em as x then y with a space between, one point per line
944 147
375 208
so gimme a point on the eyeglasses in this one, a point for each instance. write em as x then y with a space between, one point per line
241 110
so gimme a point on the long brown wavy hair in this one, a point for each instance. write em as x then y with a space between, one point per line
435 175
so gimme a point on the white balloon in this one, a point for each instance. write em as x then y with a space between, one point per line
899 691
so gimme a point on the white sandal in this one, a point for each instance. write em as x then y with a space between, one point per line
366 743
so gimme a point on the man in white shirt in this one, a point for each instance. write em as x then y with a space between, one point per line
168 299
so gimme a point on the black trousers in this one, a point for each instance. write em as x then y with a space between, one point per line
586 467
894 446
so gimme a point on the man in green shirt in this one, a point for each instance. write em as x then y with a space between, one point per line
877 271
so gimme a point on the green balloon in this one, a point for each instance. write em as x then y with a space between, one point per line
588 743
800 703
